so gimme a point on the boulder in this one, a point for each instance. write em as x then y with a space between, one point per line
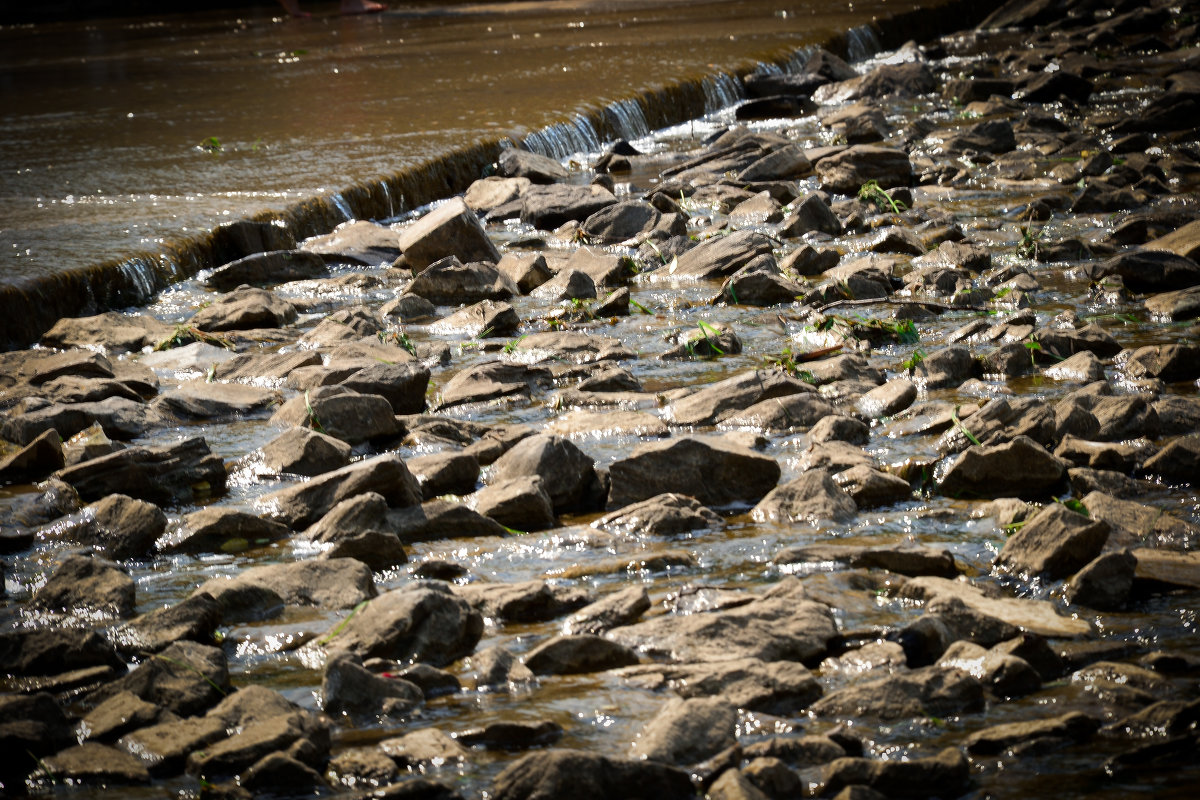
435 520
515 735
51 651
356 241
794 412
301 451
326 584
901 559
945 368
622 607
175 473
86 586
1021 468
1178 462
712 471
1054 543
719 400
721 256
629 219
218 529
548 207
871 488
245 309
301 505
498 669
450 230
528 601
424 621
487 319
92 763
784 688
519 503
847 171
402 385
1146 270
812 497
948 774
194 619
118 526
112 331
1004 675
1035 616
205 400
267 269
33 726
534 167
493 191
995 740
929 691
186 678
447 472
348 688
578 653
35 460
120 417
449 282
589 776
280 774
566 472
1104 582
688 731
492 380
117 716
527 270
666 514
341 413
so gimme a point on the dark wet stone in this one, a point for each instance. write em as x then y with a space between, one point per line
301 505
268 269
491 381
35 460
567 473
50 651
904 560
1145 270
1104 583
722 399
349 688
186 678
687 731
449 231
86 585
1055 542
811 497
300 451
937 691
174 473
280 774
619 608
537 168
435 520
589 776
807 260
520 503
779 687
578 653
1178 462
713 472
1020 468
445 473
846 172
948 774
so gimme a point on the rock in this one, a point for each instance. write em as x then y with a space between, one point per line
807 260
578 653
847 171
536 168
86 586
944 368
450 230
440 519
566 472
871 488
445 473
838 428
33 726
888 399
482 320
1178 462
713 472
112 331
527 270
784 688
118 526
548 207
662 515
618 608
1003 674
245 309
687 731
810 214
120 417
195 618
720 256
770 628
402 385
204 400
997 739
519 503
571 347
218 529
51 651
35 460
1121 456
186 678
492 380
494 191
407 308
498 669
1145 270
1054 543
1035 616
301 451
1022 468
589 776
512 735
582 423
349 688
787 414
1171 363
1083 367
1164 567
267 269
422 622
280 774
117 716
93 763
174 473
716 402
901 559
366 766
759 284
301 505
630 219
1104 583
936 691
451 282
948 774
424 749
236 754
812 497
529 601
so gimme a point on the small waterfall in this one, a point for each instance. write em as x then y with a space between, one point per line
564 139
391 212
139 275
341 205
721 90
627 120
861 43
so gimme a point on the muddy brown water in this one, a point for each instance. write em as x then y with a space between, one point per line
599 712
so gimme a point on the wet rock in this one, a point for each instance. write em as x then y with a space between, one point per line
195 618
450 282
839 428
712 471
772 627
1121 456
997 739
1020 468
1123 417
948 774
445 473
901 559
186 678
120 417
1167 568
349 688
267 269
663 515
888 399
807 260
301 451
847 171
811 214
116 717
512 735
118 526
530 601
870 488
578 653
96 764
449 231
422 622
1055 542
567 473
492 380
721 256
245 309
589 776
687 731
89 443
937 691
219 529
1082 367
424 749
527 270
204 400
519 503
717 401
536 168
619 608
759 284
50 651
252 742
1104 583
1035 616
620 222
33 726
333 583
945 368
301 505
581 424
811 497
36 460
548 207
572 347
780 414
402 385
86 585
1170 363
407 308
174 473
1144 270
1003 674
1178 462
780 687
279 773
498 669
165 747
362 766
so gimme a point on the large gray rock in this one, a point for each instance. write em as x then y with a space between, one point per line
784 688
195 618
120 417
245 309
341 413
421 622
301 451
402 385
688 731
718 401
205 400
324 583
619 608
713 471
534 167
86 586
118 525
590 776
217 529
176 473
435 520
1146 270
721 256
1021 468
528 601
1054 543
268 269
301 505
628 219
451 229
112 331
519 503
356 241
51 651
450 282
929 691
35 460
811 497
548 207
566 472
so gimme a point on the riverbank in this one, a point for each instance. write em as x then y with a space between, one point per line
838 444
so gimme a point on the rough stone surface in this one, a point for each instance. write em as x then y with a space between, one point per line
713 472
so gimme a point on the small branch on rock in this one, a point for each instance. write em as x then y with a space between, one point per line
894 302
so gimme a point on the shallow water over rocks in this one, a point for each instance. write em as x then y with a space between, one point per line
742 586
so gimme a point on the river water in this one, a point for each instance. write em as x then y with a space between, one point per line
119 136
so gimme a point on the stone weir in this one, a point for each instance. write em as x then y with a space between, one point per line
29 308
